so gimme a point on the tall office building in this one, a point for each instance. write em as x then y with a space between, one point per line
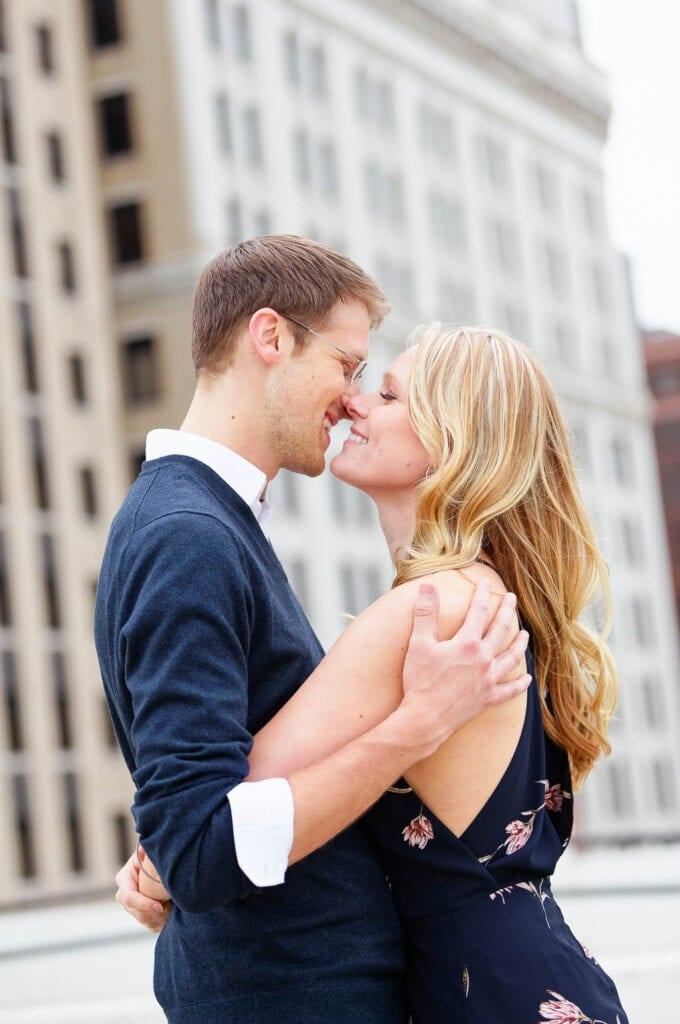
452 148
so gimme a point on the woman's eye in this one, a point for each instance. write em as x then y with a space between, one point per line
387 397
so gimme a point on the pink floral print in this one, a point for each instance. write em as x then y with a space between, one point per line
519 832
562 1011
419 831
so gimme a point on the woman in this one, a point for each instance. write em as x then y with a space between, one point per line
465 453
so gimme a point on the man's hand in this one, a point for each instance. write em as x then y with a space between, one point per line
153 914
476 668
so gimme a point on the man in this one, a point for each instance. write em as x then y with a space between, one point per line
201 640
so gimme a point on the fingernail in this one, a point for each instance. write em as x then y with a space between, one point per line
426 588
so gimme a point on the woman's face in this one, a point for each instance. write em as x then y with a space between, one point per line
382 454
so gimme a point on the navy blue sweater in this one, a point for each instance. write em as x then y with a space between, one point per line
200 641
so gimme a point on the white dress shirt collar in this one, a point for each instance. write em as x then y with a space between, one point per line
249 482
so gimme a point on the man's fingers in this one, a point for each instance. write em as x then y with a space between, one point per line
425 611
477 614
503 628
513 688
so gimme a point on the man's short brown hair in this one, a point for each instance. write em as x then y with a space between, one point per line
295 276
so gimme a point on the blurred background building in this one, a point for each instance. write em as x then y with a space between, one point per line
454 149
662 359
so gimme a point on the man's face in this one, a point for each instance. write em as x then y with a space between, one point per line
304 398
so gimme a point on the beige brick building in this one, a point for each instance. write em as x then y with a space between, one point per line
455 150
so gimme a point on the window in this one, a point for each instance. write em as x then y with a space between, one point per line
12 702
504 243
7 123
114 124
136 459
494 163
55 156
556 269
104 23
318 74
620 789
291 57
546 188
600 287
253 137
52 602
242 39
123 836
67 270
62 706
299 582
223 123
436 133
262 223
88 492
30 367
328 170
16 224
385 194
632 542
663 785
212 23
287 490
235 230
447 221
76 373
622 462
74 830
126 233
39 464
139 370
5 606
44 48
653 703
23 826
302 159
643 625
375 101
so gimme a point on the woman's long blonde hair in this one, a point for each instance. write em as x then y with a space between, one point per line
503 482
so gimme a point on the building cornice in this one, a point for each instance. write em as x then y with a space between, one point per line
471 39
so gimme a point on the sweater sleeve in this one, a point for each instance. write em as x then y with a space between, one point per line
186 620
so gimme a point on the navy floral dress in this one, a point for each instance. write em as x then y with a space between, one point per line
486 941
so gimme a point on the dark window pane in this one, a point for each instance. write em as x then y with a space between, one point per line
28 355
43 39
39 464
126 233
140 370
17 233
114 121
7 122
55 156
15 740
5 605
88 492
67 269
123 836
74 830
104 22
76 369
52 602
62 703
24 826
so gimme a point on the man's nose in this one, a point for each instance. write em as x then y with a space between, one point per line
353 401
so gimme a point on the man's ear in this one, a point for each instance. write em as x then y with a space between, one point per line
267 335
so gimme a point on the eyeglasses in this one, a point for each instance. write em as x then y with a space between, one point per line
352 365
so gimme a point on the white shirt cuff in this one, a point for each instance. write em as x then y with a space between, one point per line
262 815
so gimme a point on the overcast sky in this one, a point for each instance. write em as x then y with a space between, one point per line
636 43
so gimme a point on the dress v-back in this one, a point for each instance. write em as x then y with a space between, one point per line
486 942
